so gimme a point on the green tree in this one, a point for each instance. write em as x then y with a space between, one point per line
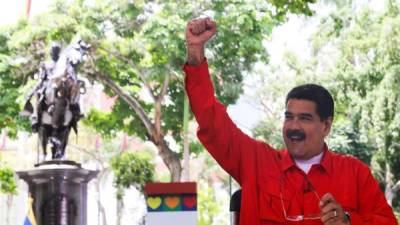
356 55
209 208
139 47
130 169
10 81
8 184
7 180
213 191
366 73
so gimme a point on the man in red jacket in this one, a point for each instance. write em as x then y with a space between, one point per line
303 184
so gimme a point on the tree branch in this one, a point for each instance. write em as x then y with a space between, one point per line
164 88
154 132
396 187
94 156
132 102
133 66
157 105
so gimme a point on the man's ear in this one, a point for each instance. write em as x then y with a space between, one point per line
328 125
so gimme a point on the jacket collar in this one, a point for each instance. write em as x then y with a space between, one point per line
326 161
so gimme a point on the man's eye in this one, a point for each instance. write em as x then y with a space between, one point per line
305 118
287 117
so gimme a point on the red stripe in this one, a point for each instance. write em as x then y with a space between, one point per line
170 188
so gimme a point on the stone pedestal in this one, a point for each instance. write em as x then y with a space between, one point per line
59 190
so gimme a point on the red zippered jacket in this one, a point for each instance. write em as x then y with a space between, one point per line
271 182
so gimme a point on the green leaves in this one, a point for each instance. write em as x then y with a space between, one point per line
121 119
147 39
135 46
356 56
208 206
7 180
131 169
284 7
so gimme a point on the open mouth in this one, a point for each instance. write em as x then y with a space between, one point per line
295 135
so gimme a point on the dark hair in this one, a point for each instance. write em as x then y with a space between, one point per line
317 94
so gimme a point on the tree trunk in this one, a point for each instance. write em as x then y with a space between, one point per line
391 192
389 188
186 150
102 217
154 131
3 139
170 158
9 205
395 190
120 209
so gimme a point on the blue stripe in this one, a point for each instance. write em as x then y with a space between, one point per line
27 221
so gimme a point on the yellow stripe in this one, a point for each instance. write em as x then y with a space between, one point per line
31 215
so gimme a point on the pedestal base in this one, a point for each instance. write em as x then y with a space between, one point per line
59 190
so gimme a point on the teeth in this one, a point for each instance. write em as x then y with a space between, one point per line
296 139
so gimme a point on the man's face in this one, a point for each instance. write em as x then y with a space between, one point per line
303 130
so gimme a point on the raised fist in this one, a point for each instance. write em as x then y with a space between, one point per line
198 32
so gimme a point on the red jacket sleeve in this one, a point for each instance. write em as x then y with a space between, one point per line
225 142
373 208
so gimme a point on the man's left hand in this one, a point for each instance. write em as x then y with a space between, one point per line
332 212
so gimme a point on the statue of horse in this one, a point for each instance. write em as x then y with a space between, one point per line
57 108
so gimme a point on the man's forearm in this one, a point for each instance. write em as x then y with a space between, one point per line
195 55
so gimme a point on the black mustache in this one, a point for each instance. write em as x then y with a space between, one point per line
296 133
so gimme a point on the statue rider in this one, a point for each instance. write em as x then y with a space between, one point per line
74 59
45 71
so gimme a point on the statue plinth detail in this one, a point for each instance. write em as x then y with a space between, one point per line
59 191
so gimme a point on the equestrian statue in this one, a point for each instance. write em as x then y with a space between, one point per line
56 108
